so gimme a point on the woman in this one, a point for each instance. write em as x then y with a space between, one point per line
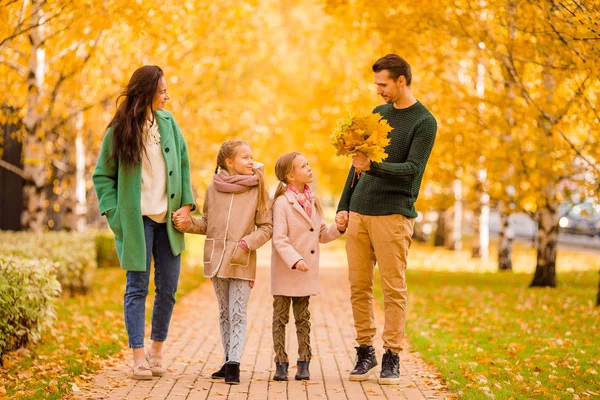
142 177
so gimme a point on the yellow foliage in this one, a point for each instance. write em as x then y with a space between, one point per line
367 134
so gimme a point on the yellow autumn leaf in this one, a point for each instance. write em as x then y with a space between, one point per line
367 134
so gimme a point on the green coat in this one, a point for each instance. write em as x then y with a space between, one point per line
119 193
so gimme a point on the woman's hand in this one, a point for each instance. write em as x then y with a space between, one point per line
182 218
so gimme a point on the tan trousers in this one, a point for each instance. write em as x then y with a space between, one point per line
383 239
281 317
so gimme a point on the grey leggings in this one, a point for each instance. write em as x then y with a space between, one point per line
232 295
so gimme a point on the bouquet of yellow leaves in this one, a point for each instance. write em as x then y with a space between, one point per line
368 134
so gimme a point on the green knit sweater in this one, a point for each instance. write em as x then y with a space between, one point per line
392 186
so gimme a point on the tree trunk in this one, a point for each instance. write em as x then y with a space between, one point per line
454 239
476 244
547 238
481 221
505 241
80 182
33 216
419 234
598 295
440 233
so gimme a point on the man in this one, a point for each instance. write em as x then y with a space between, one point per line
379 209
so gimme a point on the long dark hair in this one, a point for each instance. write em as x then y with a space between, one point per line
130 118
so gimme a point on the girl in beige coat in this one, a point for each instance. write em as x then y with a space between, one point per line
236 222
298 227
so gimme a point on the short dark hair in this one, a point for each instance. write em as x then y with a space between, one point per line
395 65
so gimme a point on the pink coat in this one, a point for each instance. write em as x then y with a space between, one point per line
229 218
297 237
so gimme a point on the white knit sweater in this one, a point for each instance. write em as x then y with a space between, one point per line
154 176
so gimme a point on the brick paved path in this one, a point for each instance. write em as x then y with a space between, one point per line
193 352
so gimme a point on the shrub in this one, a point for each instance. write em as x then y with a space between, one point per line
106 253
75 254
27 287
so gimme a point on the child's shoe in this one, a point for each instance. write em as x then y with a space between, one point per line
220 374
232 373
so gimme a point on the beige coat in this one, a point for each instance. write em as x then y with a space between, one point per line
229 218
296 237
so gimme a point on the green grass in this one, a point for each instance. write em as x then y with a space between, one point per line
89 329
489 333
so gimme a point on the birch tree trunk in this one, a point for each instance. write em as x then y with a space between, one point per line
440 233
505 240
33 216
547 239
454 241
481 220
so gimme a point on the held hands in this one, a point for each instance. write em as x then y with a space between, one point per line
182 219
361 161
341 220
301 266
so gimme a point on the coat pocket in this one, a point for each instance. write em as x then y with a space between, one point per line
240 257
209 249
114 222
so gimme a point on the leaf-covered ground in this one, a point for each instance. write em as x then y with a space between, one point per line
492 336
88 333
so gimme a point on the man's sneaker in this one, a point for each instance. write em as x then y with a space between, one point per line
390 369
365 362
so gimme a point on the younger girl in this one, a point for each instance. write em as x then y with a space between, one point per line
236 222
298 227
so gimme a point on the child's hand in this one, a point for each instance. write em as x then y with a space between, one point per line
181 223
341 221
251 284
342 218
244 245
183 212
301 266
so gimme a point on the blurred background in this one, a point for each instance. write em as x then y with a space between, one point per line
512 183
513 86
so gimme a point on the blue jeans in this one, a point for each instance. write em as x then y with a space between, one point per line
166 276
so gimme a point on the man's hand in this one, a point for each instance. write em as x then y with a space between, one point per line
361 161
342 217
301 266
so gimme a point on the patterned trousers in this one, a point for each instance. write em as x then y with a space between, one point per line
281 317
232 296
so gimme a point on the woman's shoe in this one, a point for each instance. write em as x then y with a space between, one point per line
232 373
156 365
220 374
142 371
281 371
302 374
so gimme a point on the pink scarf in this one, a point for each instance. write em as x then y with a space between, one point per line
305 199
234 183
